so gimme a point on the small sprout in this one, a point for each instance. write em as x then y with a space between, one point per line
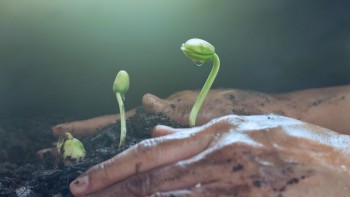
200 52
70 149
120 87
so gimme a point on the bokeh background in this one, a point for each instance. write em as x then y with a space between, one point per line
61 57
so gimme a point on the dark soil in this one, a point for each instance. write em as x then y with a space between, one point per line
22 174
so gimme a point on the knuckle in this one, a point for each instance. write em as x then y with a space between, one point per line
140 185
145 146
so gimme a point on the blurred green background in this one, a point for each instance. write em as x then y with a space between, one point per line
61 57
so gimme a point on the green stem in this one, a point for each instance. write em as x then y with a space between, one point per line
122 119
196 107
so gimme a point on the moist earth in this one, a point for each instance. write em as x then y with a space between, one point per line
22 174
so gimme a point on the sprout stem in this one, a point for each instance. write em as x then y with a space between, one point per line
120 87
122 119
196 107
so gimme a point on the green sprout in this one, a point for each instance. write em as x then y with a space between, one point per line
120 87
200 52
70 149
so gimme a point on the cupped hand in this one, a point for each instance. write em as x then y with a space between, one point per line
266 155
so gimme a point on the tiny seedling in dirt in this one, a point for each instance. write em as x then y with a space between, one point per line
120 87
200 52
70 149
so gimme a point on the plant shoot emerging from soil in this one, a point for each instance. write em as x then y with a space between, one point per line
200 52
70 149
120 87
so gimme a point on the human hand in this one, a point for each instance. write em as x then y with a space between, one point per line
326 107
265 155
177 107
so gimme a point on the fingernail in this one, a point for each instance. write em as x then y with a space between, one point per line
79 185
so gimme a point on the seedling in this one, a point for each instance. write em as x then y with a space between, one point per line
120 87
70 149
200 52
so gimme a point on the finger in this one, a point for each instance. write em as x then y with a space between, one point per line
177 110
187 193
87 127
83 128
174 177
178 193
223 189
211 189
161 130
144 156
152 103
203 168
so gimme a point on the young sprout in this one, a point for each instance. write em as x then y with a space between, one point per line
200 52
120 87
70 149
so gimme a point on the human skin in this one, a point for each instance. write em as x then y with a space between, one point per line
327 107
87 127
261 155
